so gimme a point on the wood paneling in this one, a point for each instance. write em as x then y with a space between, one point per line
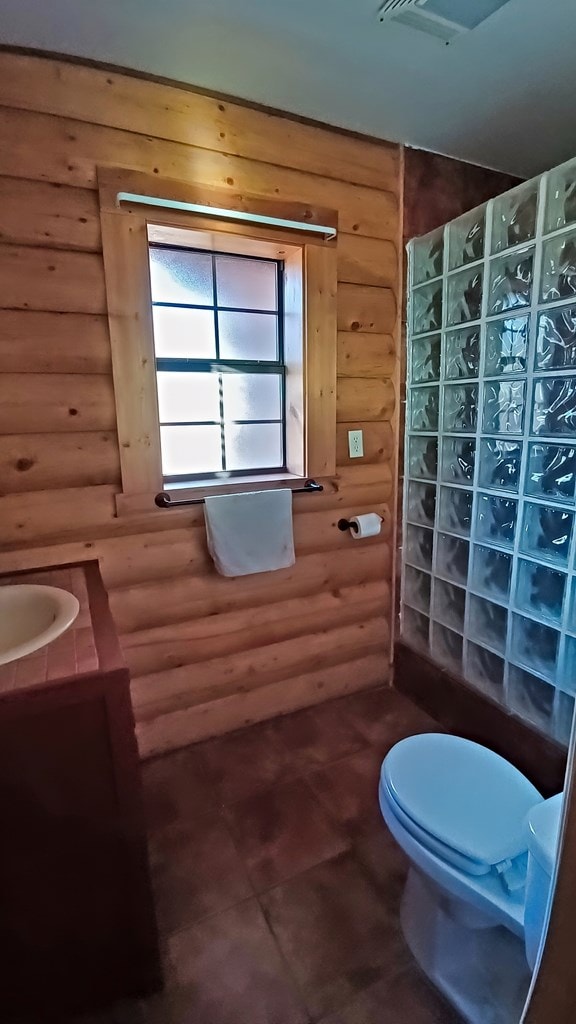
207 653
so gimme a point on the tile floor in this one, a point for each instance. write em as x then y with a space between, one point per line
276 883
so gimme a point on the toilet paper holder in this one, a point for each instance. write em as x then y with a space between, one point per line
346 524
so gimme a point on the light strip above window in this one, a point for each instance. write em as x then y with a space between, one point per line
327 232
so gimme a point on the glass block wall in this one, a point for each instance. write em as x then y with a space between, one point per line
489 568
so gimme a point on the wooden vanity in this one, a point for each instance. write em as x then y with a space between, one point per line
77 926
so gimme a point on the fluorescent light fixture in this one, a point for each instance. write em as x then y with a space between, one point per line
214 211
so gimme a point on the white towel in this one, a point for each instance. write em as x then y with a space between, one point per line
250 532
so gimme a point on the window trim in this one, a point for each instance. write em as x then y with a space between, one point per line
309 328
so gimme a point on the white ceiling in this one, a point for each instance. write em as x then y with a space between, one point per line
502 95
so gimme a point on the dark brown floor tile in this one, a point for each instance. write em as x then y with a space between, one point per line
384 717
334 929
176 789
406 997
348 789
384 861
196 871
245 762
227 970
282 832
320 734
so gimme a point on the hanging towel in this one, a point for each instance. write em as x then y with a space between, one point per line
250 532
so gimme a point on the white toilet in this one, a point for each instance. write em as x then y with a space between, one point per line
482 845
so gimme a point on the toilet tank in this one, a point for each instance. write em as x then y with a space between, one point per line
544 827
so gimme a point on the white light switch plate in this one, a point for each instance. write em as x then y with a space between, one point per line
355 444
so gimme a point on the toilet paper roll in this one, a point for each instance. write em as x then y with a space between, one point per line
368 525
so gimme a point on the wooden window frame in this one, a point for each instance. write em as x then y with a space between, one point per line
310 328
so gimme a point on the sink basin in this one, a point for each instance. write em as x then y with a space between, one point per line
31 616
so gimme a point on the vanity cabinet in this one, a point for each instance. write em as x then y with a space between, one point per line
77 927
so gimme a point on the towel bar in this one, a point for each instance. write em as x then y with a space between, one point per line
165 500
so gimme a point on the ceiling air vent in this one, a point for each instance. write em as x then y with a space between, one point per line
441 18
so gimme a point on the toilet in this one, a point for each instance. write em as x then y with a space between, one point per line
482 843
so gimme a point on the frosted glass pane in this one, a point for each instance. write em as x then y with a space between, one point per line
253 446
190 450
246 284
178 275
248 336
184 333
252 396
188 397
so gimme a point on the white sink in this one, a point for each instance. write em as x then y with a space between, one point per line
31 616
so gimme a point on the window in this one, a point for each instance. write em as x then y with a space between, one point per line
223 338
219 347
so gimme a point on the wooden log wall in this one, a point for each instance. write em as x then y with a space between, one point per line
207 654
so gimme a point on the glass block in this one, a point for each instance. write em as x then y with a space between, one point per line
563 717
252 396
455 512
181 275
421 503
424 408
551 471
546 532
423 457
535 646
531 698
448 605
248 336
254 446
181 333
425 362
458 454
462 353
428 256
447 648
540 590
464 296
243 283
418 547
426 306
554 407
514 217
460 407
466 238
417 589
487 623
491 572
496 519
556 339
452 558
485 670
511 281
415 628
561 197
187 451
506 346
504 402
559 268
567 678
500 463
188 397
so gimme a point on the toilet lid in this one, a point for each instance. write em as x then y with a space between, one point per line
463 794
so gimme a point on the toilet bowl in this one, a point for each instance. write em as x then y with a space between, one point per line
481 842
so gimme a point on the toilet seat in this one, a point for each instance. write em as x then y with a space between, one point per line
460 800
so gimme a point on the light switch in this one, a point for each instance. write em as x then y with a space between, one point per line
355 444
